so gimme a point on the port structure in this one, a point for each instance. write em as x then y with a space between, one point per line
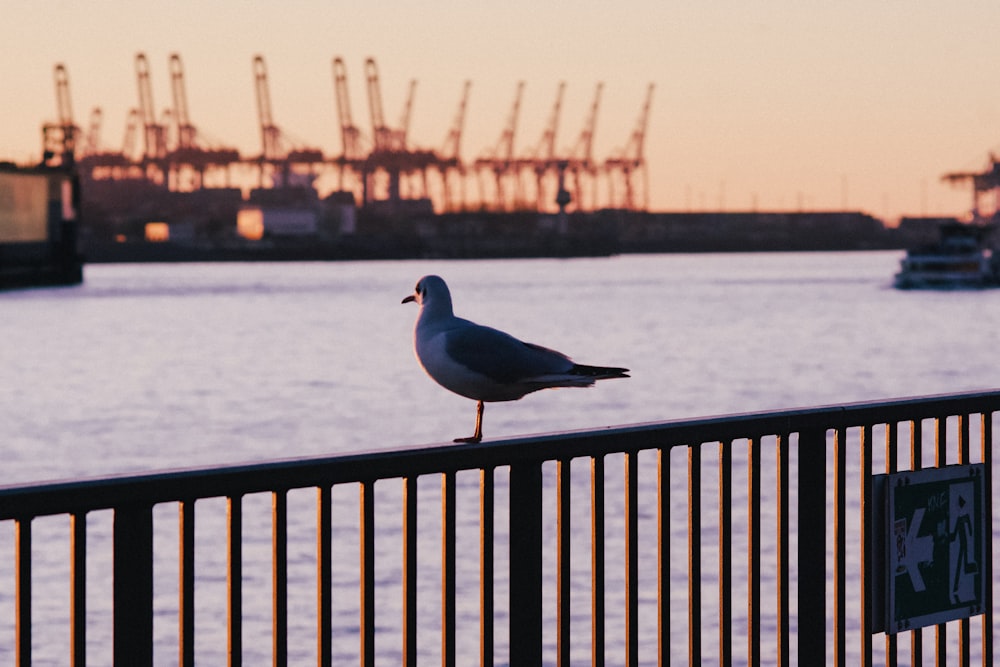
380 166
979 183
59 137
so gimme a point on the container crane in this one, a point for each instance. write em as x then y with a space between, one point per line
154 134
450 160
581 155
131 129
95 163
383 136
631 161
186 133
543 159
404 121
190 149
453 142
351 156
390 153
92 140
269 133
501 161
350 135
276 149
981 181
59 138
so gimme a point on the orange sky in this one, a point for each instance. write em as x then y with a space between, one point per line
768 104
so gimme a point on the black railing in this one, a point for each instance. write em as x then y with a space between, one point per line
785 579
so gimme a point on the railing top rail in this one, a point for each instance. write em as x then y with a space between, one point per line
61 497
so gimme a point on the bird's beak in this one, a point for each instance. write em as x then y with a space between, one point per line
409 299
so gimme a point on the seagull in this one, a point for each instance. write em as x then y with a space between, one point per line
486 364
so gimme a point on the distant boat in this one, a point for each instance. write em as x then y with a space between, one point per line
961 259
38 227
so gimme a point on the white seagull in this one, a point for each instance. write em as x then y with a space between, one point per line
485 364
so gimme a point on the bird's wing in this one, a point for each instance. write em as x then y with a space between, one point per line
501 357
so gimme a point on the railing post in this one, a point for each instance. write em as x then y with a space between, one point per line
526 564
133 585
22 622
812 548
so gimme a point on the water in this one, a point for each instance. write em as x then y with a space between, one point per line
151 367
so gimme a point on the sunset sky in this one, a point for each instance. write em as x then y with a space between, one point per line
766 104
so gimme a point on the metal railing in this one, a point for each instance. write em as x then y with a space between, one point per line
790 567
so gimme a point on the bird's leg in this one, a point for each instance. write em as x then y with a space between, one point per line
478 435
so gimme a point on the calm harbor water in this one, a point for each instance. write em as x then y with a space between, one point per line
151 367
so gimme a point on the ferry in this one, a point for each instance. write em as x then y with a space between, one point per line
961 259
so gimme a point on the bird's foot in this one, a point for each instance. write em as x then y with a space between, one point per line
472 439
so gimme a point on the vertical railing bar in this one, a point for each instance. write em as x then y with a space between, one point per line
22 595
784 537
563 560
694 555
448 569
78 589
987 459
279 577
663 556
865 475
234 580
132 574
941 460
891 462
486 600
839 547
410 571
812 557
597 561
753 551
186 519
725 553
631 559
963 459
916 463
324 575
526 563
367 566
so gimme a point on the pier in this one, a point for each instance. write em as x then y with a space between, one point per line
760 497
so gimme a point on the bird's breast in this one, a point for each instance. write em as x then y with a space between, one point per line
432 353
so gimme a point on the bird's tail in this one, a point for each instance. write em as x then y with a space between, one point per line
599 372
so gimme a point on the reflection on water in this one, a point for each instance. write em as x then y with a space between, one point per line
151 367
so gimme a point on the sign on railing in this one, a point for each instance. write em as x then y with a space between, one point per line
935 532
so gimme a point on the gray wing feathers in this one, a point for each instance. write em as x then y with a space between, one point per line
501 357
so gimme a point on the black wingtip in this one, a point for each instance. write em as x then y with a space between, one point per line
600 372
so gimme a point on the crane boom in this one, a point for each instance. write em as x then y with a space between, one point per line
505 147
93 138
131 127
380 131
59 138
584 144
636 145
152 132
270 134
453 142
546 147
349 133
186 132
63 100
404 122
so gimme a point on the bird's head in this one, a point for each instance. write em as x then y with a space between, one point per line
430 291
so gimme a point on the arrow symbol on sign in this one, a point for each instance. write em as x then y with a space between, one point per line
918 550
